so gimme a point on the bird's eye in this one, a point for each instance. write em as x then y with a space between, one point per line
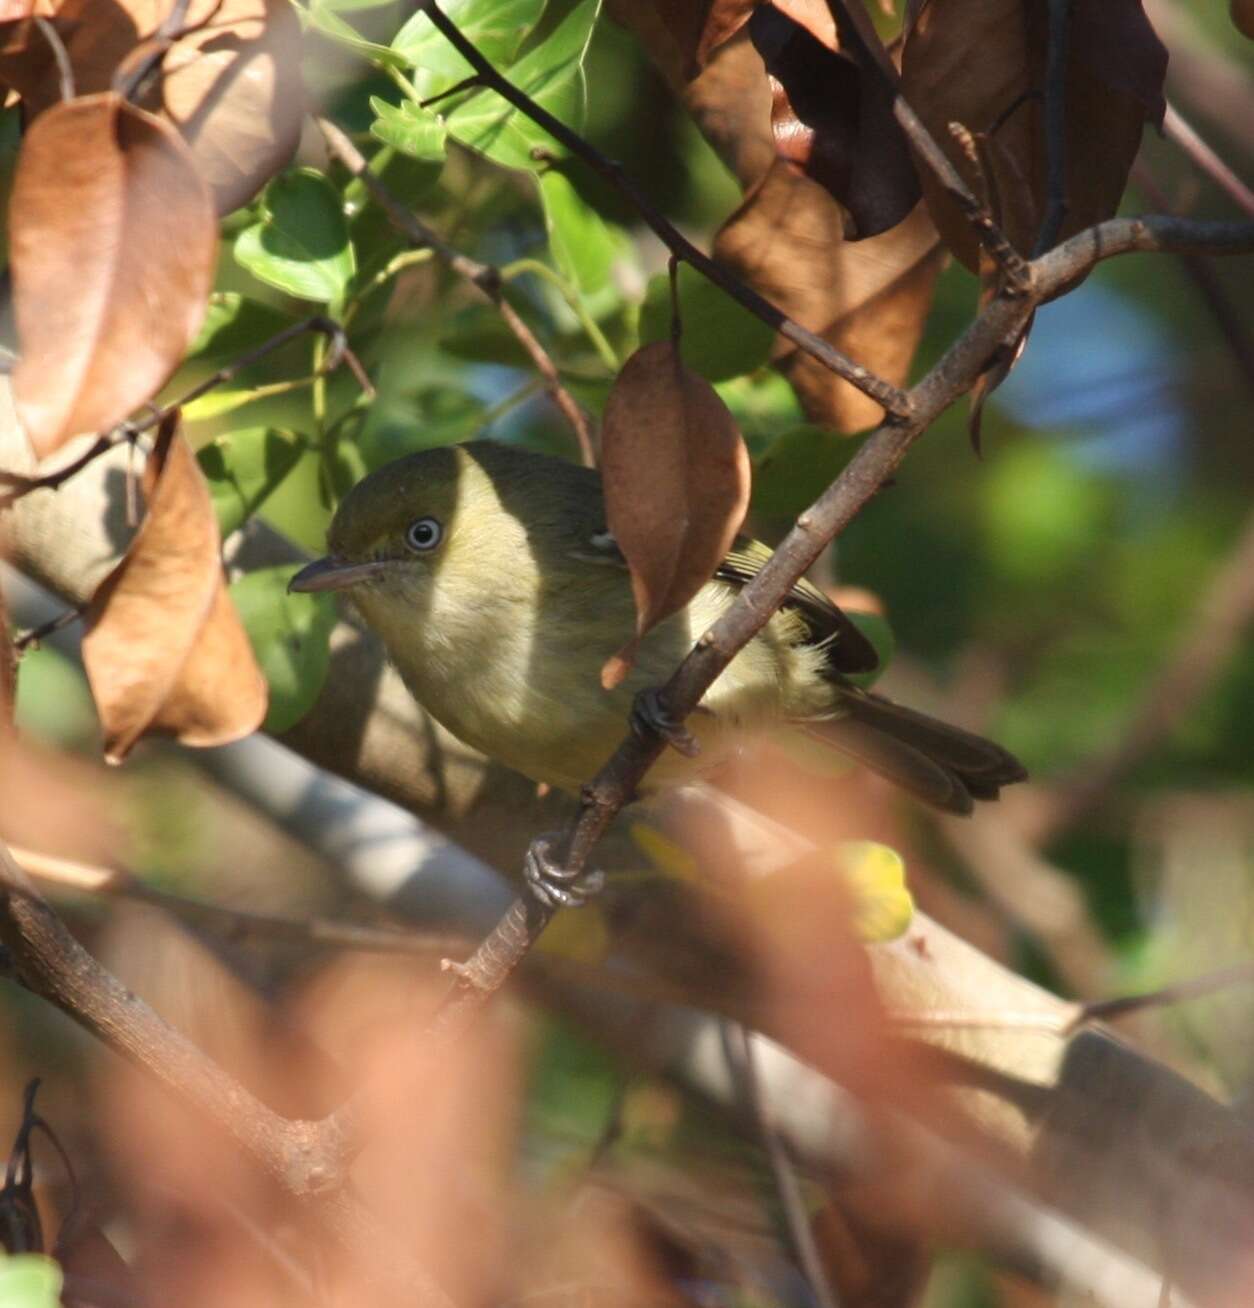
424 535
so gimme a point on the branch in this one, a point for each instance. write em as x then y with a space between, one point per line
877 459
230 923
1180 130
1012 264
483 277
305 1158
22 485
890 398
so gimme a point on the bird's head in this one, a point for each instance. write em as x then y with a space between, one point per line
397 526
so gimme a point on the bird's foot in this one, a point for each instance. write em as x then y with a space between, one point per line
556 886
649 714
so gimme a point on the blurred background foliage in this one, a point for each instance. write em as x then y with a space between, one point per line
1042 583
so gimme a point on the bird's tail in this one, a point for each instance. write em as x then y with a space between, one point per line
942 765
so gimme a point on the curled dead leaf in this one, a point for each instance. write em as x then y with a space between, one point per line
832 117
676 476
983 65
231 84
803 96
164 649
112 246
869 298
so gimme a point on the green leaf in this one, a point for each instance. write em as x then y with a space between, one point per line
301 246
720 339
583 247
289 635
763 404
29 1281
797 467
322 18
551 74
417 132
244 467
497 28
234 325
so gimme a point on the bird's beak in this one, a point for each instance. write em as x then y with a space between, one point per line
333 573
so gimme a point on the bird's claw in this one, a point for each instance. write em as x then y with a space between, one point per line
649 714
556 886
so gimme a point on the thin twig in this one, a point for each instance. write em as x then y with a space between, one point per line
231 923
31 639
1055 126
738 1051
877 459
305 1158
890 398
1228 314
485 278
1224 978
338 353
65 69
1210 635
1178 129
1012 264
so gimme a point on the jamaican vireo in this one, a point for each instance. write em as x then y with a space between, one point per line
489 574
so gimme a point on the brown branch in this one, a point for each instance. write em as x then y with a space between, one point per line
1178 129
878 458
1224 308
890 398
1224 978
306 1158
230 923
1055 127
483 277
994 241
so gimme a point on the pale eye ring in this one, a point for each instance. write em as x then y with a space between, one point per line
424 535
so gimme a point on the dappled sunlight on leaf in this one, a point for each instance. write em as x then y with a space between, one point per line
112 246
164 648
868 298
231 83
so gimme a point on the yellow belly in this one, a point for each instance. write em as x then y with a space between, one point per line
535 701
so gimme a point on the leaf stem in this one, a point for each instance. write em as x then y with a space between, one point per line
537 267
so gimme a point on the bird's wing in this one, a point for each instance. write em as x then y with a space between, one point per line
848 651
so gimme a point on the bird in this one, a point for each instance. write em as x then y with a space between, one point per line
490 575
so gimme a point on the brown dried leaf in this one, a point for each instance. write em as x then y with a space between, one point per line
113 239
983 65
232 87
682 35
868 298
832 116
164 649
731 103
676 476
234 90
813 103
